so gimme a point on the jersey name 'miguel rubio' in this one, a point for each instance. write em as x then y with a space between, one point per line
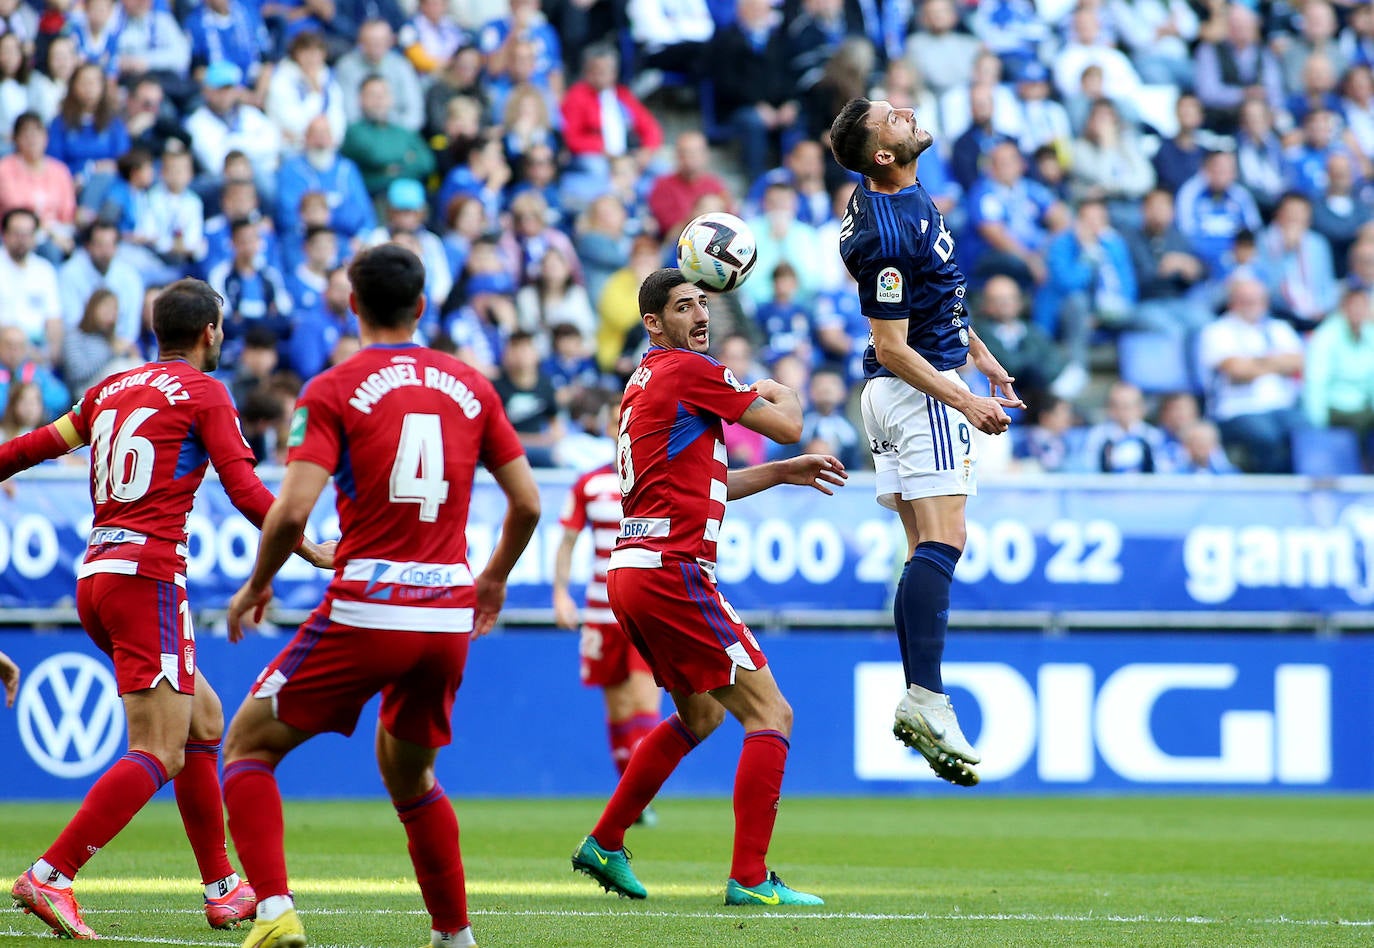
402 429
671 457
898 249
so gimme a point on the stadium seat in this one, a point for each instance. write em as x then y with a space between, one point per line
1155 362
1326 452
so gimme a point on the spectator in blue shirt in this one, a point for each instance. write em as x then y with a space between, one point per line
1180 157
840 330
824 425
1212 208
784 322
1013 29
1011 218
498 38
88 134
569 366
317 330
307 281
94 28
1297 265
254 295
223 30
1305 163
321 168
1090 282
978 141
239 200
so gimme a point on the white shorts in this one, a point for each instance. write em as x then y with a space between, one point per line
921 447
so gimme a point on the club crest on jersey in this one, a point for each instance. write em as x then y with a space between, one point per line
298 420
889 286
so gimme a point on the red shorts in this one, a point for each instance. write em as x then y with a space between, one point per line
682 625
144 625
608 656
322 679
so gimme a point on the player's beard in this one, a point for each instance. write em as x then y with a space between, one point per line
212 356
907 152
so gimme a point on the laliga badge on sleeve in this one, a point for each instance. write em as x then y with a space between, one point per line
889 286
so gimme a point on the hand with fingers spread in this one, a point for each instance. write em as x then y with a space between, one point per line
814 470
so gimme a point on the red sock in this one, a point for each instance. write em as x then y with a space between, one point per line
255 821
202 809
650 765
758 785
432 834
109 806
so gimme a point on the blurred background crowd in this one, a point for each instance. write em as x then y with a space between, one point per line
1163 206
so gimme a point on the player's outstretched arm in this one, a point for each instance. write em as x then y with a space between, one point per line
516 481
282 530
564 609
775 414
808 470
9 677
890 346
41 444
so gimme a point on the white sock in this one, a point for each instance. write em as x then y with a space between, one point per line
274 907
924 697
218 890
458 939
46 873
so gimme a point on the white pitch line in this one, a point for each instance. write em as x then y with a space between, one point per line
746 912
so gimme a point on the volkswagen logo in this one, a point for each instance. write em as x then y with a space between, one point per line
70 717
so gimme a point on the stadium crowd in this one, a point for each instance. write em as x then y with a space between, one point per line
1170 196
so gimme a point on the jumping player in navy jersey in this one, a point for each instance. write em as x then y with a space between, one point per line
917 411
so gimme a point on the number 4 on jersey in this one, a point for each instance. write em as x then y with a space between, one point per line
417 477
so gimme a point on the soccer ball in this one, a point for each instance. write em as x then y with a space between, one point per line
716 251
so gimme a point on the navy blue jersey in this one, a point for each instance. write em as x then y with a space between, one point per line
900 252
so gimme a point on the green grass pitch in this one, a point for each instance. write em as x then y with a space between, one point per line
966 871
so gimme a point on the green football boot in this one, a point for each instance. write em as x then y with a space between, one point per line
609 867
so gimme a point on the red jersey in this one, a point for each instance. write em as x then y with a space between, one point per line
152 430
671 456
402 429
595 500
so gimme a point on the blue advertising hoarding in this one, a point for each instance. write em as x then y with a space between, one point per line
1092 543
1058 715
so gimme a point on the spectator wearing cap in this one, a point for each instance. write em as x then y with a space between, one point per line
1157 35
938 51
376 55
1011 218
384 151
303 87
151 42
98 265
1212 208
320 168
406 210
224 30
1043 120
225 123
1250 359
1226 70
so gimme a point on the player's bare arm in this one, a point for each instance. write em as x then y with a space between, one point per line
282 530
564 608
998 378
819 471
42 444
775 414
9 677
889 344
516 481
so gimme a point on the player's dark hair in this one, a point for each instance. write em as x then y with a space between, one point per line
653 292
851 138
388 281
182 312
